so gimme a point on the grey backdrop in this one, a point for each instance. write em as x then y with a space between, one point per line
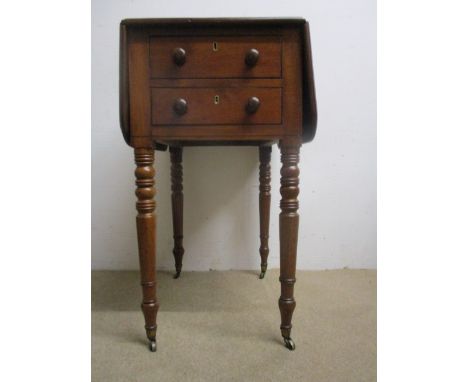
338 169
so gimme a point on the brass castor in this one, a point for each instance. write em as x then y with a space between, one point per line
263 270
152 346
176 276
289 343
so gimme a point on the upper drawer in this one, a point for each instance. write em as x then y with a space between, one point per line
215 57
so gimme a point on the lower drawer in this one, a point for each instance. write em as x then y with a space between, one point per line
215 106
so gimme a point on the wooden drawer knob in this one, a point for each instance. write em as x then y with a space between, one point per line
251 57
252 105
179 56
180 106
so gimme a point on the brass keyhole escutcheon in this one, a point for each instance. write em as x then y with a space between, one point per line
215 46
216 99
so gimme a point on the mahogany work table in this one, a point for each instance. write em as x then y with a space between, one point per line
203 82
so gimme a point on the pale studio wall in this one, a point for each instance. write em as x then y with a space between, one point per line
338 169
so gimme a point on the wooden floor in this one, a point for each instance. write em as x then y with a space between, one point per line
224 326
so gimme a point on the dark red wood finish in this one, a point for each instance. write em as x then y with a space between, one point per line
186 82
177 207
203 108
264 204
146 230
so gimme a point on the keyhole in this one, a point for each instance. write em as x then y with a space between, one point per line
216 99
215 46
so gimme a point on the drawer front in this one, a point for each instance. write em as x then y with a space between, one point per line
215 106
215 57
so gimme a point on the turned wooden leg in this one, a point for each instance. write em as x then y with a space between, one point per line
289 225
264 205
177 207
146 230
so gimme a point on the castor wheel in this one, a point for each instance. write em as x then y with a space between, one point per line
152 346
176 276
263 270
289 343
